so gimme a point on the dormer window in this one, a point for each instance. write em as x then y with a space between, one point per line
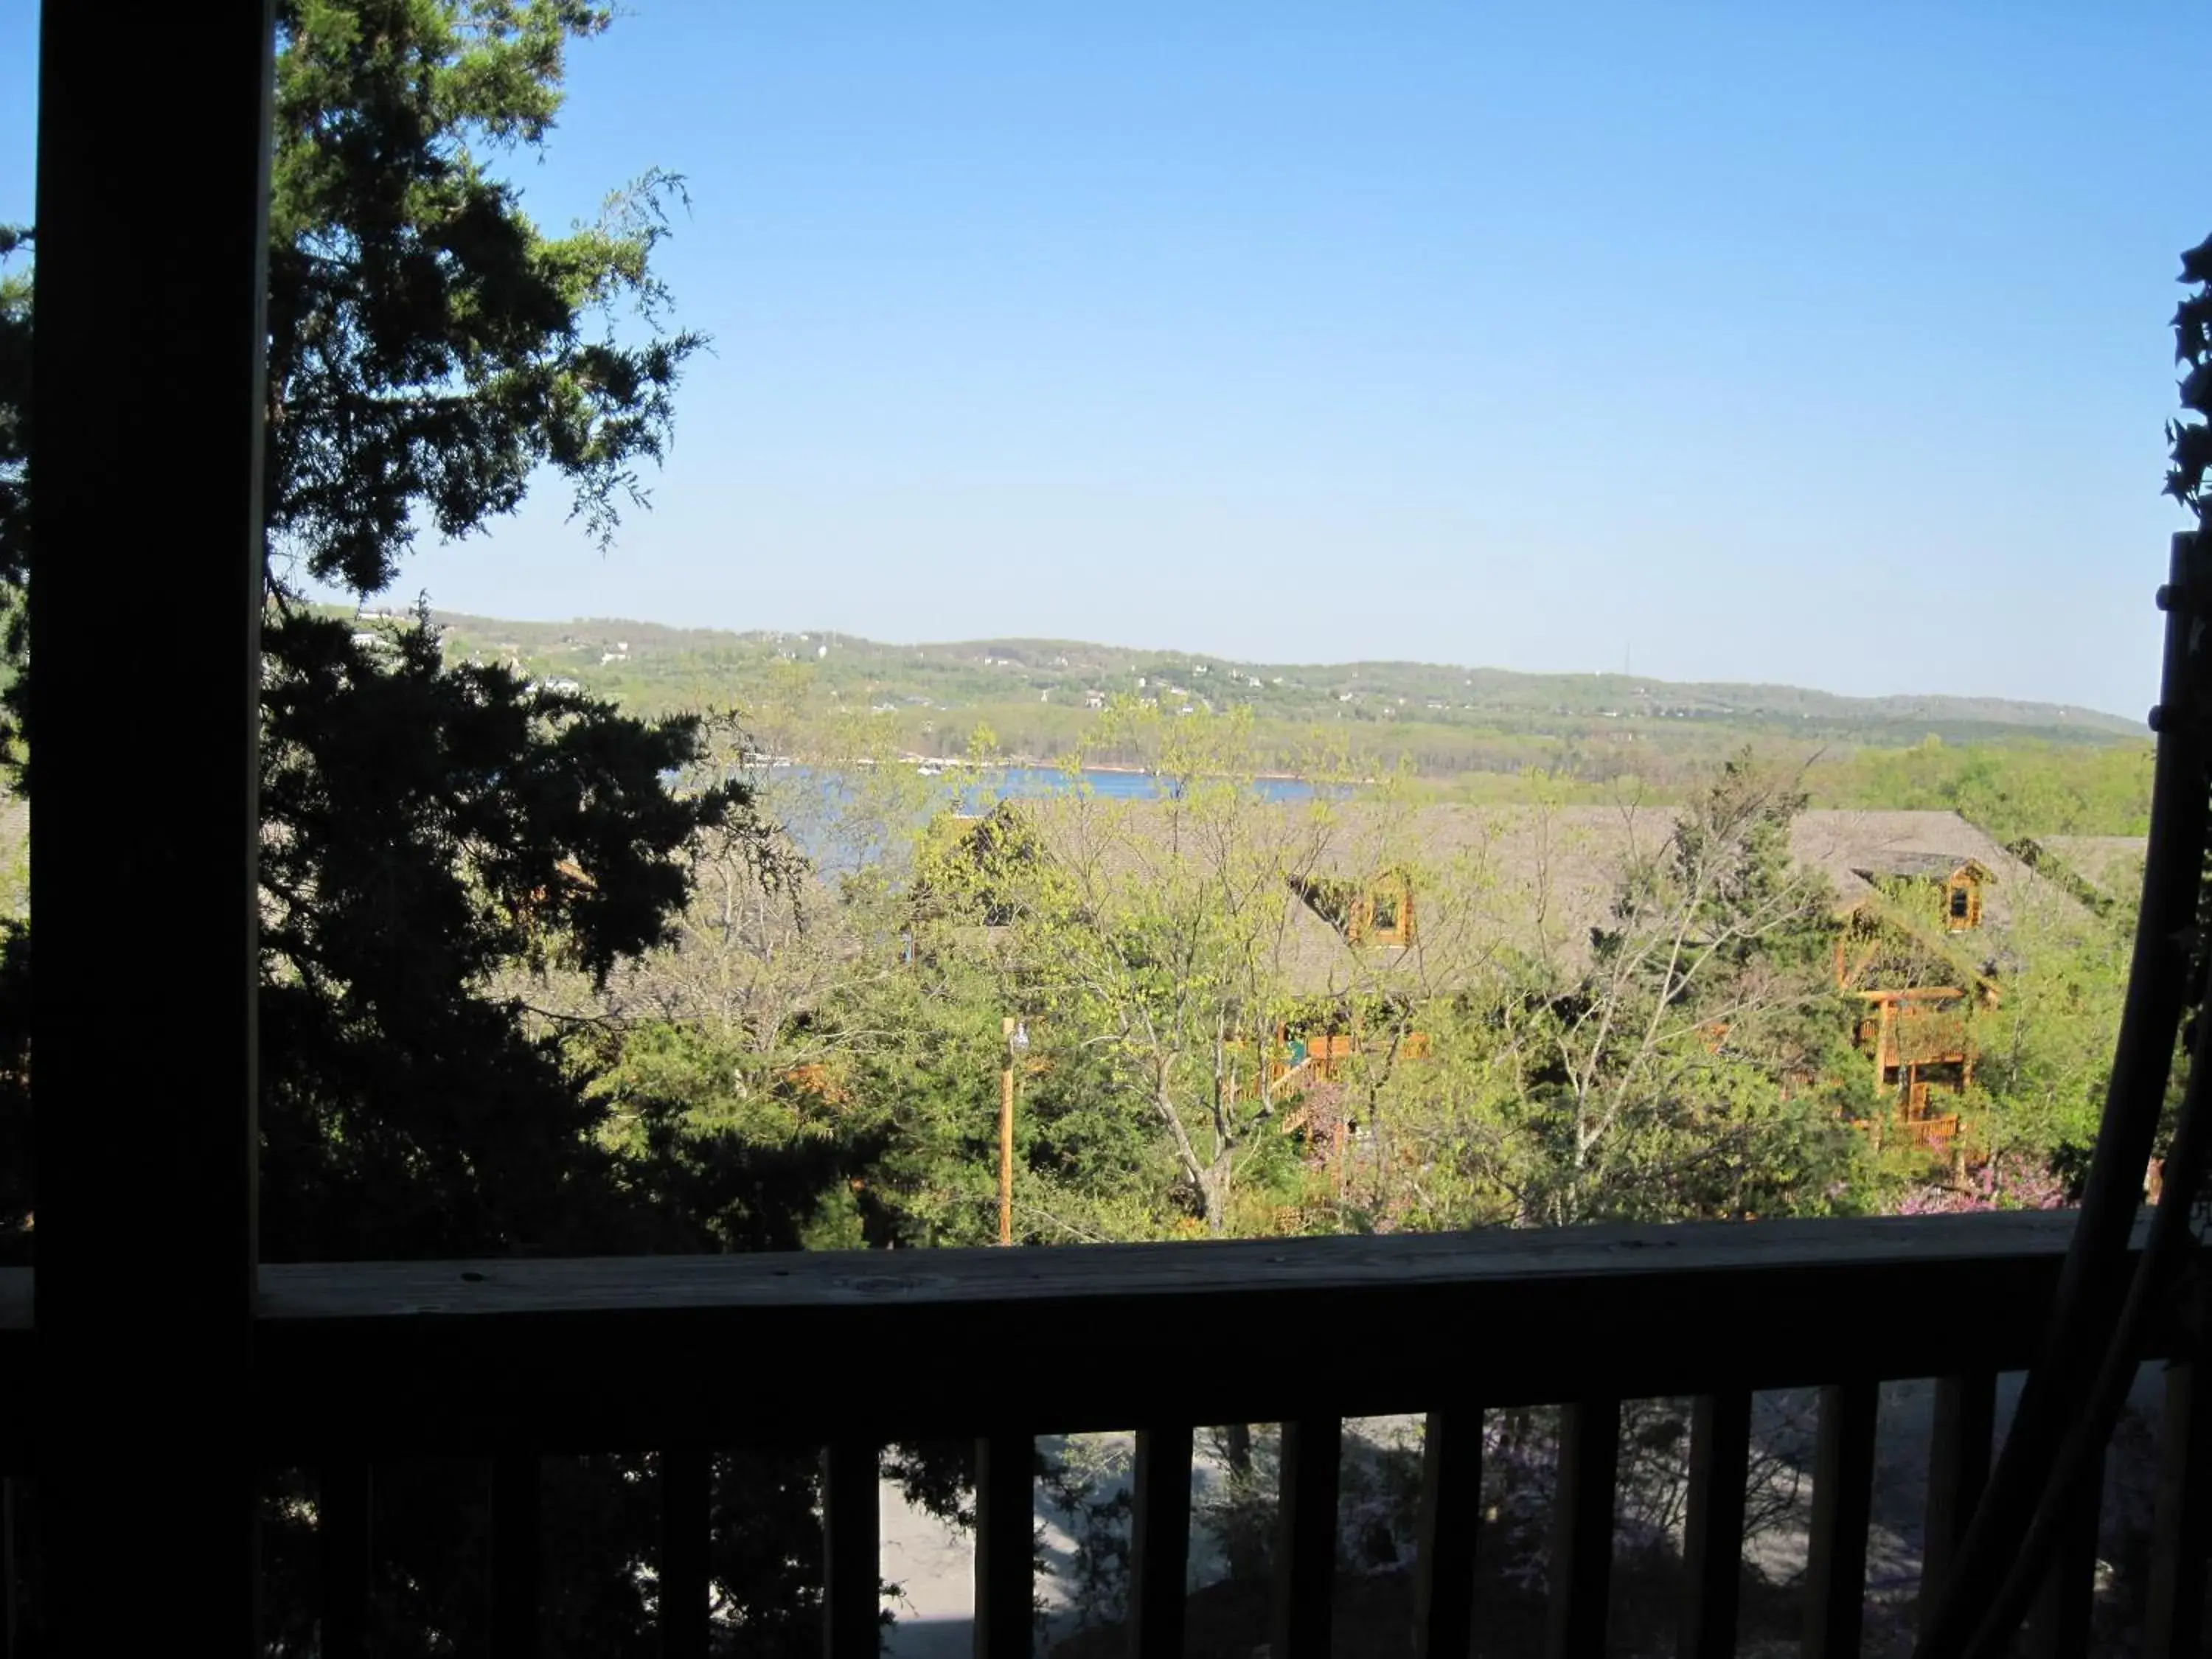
1380 914
1962 902
1386 913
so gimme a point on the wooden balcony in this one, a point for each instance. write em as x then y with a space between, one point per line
513 1360
151 1366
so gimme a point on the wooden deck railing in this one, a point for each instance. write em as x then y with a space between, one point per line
514 1360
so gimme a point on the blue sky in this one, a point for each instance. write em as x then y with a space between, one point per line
1819 344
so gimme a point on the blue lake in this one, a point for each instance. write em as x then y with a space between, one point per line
815 828
1020 782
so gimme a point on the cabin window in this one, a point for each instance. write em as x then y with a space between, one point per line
1962 905
1387 915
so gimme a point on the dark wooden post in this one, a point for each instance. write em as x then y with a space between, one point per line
1957 1469
1712 1532
2181 1535
687 1537
1581 1530
345 1513
516 1576
852 1551
1305 1540
1452 1523
1843 1504
1005 1545
1159 1541
145 614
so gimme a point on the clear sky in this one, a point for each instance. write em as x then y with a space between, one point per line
1822 344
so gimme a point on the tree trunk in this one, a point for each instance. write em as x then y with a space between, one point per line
1213 1197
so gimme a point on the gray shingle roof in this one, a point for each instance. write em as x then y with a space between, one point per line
1486 880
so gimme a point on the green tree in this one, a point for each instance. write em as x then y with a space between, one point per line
1688 1069
1149 940
2046 1050
432 352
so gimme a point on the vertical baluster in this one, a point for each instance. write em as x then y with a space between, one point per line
1957 1469
2181 1537
1451 1520
1005 1534
342 1508
1842 1501
1712 1537
2058 1623
852 1551
517 1552
1159 1545
1581 1529
1305 1540
687 1522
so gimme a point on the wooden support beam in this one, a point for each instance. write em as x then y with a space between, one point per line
1305 1540
145 527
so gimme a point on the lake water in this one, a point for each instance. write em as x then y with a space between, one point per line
1026 781
807 801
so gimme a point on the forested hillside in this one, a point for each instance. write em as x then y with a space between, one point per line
1035 694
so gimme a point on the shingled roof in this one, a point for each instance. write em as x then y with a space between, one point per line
1490 881
1855 849
2111 864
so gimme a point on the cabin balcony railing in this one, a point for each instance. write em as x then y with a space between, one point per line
512 1361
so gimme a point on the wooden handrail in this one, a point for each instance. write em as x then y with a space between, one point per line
417 1356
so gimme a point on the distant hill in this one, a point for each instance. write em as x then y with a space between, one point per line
1035 693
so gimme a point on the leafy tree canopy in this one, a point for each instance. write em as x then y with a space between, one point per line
431 351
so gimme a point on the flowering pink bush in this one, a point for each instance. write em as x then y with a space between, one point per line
2007 1181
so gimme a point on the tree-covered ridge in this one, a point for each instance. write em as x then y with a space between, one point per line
1035 694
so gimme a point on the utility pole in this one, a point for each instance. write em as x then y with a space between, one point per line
1018 1044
